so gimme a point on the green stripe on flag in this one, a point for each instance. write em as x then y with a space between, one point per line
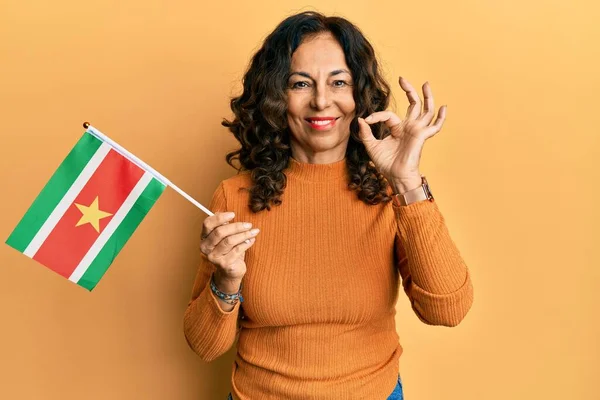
53 192
113 246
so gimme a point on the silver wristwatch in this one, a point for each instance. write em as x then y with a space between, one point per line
412 196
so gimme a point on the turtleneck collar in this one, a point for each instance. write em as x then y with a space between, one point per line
316 172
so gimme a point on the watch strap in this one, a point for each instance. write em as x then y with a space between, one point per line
415 195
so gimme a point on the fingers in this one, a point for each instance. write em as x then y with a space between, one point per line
439 121
220 233
387 116
224 243
230 258
218 219
414 108
364 132
428 107
227 244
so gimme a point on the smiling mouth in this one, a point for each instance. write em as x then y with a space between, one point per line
323 124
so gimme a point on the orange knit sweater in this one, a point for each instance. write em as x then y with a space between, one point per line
322 282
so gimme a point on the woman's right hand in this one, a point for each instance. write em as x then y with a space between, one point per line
225 245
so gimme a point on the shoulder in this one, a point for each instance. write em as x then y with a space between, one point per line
229 194
232 190
233 184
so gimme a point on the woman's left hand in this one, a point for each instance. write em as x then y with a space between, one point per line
397 156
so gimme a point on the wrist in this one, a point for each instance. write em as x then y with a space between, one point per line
400 186
226 285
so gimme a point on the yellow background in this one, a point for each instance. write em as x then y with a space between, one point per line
514 171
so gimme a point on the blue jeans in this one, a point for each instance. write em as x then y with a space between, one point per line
397 394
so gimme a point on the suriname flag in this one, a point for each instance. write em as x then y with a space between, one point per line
86 212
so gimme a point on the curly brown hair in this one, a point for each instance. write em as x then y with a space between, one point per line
260 123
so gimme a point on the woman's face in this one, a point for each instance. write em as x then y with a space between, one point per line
320 86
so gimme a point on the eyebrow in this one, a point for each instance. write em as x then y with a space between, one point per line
332 73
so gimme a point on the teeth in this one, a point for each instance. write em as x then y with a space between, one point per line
321 122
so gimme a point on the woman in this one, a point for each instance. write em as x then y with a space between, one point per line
351 217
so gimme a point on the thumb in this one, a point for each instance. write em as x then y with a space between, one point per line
364 132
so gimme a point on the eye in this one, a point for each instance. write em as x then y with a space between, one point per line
294 85
344 83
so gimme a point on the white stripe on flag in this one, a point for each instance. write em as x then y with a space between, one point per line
67 200
112 225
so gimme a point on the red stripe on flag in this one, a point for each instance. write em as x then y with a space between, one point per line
67 244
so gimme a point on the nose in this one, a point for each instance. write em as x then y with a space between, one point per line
321 98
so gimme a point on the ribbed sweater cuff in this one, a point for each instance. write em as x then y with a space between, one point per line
443 309
216 312
213 330
434 260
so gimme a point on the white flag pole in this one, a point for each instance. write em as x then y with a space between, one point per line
118 148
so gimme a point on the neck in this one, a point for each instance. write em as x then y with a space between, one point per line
317 172
307 155
318 158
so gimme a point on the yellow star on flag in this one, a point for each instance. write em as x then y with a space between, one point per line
92 214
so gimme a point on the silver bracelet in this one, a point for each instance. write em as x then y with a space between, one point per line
227 298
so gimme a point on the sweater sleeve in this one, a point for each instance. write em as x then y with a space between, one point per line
434 275
209 330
